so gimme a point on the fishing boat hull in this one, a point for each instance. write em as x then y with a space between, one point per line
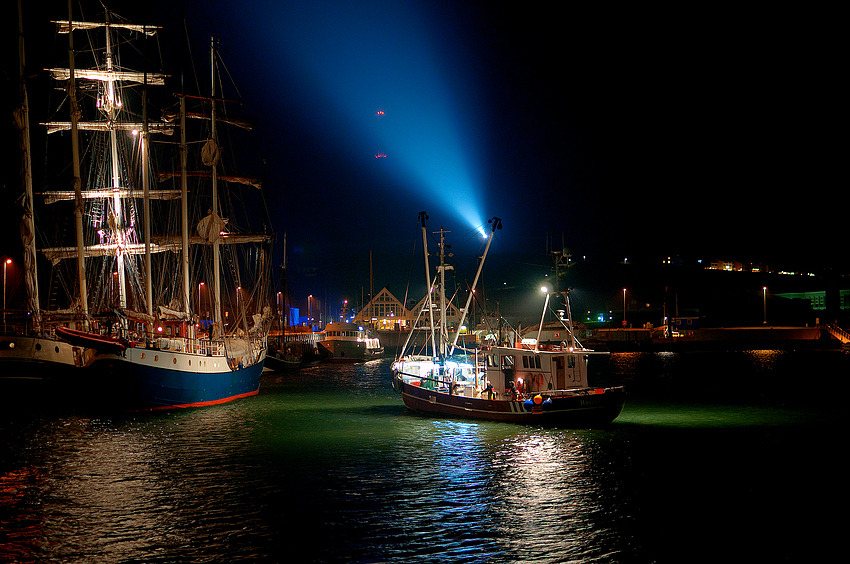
282 361
147 379
584 408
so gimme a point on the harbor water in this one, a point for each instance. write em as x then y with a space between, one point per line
720 457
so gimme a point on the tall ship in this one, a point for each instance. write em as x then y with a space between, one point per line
518 382
141 254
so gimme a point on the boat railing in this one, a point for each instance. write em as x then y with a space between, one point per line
445 386
201 347
838 333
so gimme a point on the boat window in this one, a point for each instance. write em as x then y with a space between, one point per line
508 361
537 362
571 361
525 362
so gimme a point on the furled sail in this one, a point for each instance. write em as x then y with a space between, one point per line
58 196
63 26
54 126
211 226
155 79
210 153
247 180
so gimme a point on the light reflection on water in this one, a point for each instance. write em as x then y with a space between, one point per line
327 463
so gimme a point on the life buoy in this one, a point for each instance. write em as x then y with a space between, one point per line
540 379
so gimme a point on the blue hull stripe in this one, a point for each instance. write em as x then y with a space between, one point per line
145 388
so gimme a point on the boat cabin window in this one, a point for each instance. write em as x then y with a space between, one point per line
531 362
508 361
571 361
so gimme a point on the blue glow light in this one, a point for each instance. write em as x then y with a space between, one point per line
373 74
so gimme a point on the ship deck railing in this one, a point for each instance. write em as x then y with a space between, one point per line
467 388
200 347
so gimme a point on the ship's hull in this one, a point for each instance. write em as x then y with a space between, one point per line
597 407
348 351
36 357
148 379
277 361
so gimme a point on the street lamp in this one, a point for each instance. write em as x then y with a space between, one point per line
624 307
6 262
236 313
764 294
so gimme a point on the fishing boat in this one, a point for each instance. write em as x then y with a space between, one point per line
518 382
348 342
145 348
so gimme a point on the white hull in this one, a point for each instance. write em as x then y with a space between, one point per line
28 351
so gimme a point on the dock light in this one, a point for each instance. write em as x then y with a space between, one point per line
544 289
6 263
764 293
624 307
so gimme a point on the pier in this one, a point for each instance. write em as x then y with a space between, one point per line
838 333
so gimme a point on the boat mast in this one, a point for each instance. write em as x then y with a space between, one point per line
569 319
184 209
147 199
75 158
561 258
497 224
540 327
113 104
216 251
422 217
28 226
442 270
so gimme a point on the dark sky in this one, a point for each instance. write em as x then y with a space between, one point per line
710 132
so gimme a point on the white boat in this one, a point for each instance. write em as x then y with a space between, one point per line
524 382
348 342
